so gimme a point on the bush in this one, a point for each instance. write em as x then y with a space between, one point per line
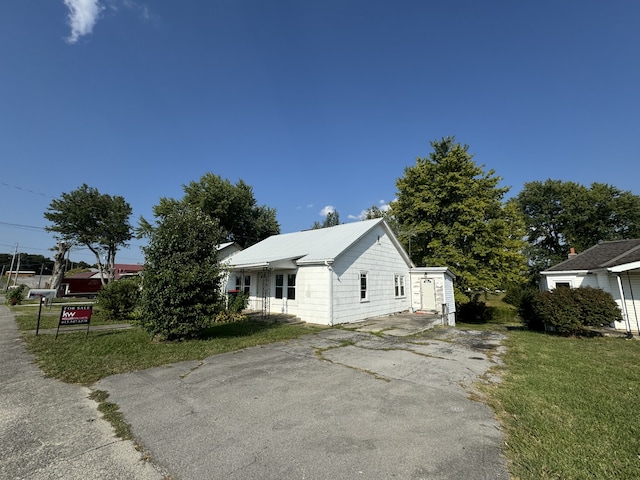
118 300
15 295
476 311
569 311
518 293
182 275
473 311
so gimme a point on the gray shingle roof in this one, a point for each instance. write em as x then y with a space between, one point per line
602 255
309 246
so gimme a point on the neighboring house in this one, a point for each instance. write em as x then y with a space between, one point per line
612 266
339 274
226 250
89 283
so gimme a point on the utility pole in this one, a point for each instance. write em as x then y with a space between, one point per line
15 279
13 259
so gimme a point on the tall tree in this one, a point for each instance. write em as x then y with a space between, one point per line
235 208
452 214
182 276
98 221
330 220
560 215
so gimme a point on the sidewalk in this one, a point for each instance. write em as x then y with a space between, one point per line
50 429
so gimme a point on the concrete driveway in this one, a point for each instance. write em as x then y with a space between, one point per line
339 404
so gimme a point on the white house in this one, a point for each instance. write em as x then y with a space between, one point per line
612 266
336 275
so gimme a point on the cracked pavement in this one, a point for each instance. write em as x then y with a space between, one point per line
50 429
338 404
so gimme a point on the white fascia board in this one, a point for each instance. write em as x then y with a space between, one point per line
624 268
316 261
565 272
247 266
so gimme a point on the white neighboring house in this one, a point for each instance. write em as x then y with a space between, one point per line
227 250
612 266
340 274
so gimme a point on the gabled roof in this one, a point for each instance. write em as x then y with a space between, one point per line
310 246
603 255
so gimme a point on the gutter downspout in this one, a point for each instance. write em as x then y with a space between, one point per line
330 270
624 305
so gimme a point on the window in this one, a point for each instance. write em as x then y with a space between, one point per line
363 286
291 286
563 285
398 281
245 286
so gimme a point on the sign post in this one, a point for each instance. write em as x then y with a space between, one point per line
75 315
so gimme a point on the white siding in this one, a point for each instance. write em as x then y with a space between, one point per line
312 295
376 255
631 287
443 291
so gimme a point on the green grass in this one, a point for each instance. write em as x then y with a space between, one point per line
76 359
27 316
569 406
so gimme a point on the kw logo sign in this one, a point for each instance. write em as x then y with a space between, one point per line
75 315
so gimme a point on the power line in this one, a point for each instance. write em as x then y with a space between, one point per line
24 227
26 190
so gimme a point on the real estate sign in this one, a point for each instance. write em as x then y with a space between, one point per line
75 315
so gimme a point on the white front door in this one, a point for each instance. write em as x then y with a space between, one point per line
428 289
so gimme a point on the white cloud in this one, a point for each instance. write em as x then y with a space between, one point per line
83 15
327 210
354 217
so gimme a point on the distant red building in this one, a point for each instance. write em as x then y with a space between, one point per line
89 283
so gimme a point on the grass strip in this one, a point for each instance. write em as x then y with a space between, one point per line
75 358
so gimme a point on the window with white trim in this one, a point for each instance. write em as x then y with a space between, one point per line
291 286
398 282
243 284
364 292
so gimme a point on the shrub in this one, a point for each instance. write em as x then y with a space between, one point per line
476 311
569 311
118 300
473 311
516 294
15 295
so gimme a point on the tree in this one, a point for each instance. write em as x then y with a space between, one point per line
181 291
451 213
376 212
59 265
560 215
330 220
235 208
98 221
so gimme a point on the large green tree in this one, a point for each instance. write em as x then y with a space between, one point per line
450 212
97 221
562 214
181 291
234 206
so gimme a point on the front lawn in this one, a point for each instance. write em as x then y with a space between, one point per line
569 406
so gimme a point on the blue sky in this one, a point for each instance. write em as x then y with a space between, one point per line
315 103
